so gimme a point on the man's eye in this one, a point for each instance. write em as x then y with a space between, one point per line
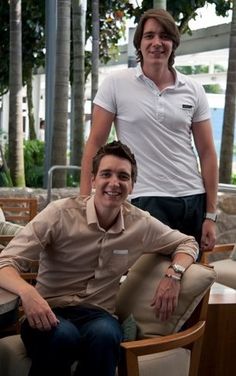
148 36
124 177
105 174
165 36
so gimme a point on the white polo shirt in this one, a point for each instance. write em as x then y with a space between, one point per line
156 125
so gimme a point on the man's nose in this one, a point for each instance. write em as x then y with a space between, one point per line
157 39
114 180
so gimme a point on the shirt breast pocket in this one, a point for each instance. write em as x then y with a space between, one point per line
181 117
118 263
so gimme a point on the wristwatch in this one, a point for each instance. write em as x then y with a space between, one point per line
211 216
178 268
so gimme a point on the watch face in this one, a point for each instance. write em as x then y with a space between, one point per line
178 268
212 216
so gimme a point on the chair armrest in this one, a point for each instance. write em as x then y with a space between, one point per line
219 248
130 351
164 343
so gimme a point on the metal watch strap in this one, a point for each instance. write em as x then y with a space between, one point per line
178 268
173 276
211 216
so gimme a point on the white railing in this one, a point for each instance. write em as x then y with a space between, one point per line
227 188
50 173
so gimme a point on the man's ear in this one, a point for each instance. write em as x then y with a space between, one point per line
93 181
131 189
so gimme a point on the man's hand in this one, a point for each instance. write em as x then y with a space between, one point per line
37 310
208 238
166 297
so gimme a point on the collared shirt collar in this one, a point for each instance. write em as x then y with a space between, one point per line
92 218
179 78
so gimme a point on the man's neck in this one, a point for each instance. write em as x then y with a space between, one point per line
107 218
161 76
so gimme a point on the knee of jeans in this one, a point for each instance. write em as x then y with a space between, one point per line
66 335
109 331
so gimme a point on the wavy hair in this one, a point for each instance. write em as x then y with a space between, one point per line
165 19
118 149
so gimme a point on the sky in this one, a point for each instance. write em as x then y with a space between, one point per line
207 17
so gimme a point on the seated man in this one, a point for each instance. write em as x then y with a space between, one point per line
84 245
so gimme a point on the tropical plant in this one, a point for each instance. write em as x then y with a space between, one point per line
184 10
113 15
34 151
33 48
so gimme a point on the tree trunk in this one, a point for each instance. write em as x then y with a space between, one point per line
95 49
227 140
77 114
16 155
60 126
32 133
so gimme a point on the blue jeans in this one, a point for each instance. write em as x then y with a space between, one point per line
185 214
86 334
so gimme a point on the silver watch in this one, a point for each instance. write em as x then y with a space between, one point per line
178 268
211 216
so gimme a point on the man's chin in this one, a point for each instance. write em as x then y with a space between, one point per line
113 202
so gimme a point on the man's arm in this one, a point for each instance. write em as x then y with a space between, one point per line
202 133
101 125
36 309
165 299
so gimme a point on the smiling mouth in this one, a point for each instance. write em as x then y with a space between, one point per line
113 194
158 52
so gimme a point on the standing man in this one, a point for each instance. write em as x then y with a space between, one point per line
157 112
84 245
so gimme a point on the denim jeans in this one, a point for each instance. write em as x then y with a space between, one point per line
185 214
85 333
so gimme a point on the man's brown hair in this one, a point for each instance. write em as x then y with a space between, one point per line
119 150
167 22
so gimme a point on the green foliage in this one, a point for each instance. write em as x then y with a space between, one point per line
192 69
113 16
184 10
33 37
112 135
233 179
219 68
5 178
214 89
34 163
112 26
72 179
198 69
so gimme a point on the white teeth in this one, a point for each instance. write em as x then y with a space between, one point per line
112 193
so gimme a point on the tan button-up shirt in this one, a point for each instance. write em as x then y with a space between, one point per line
81 262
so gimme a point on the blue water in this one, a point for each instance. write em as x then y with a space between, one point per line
217 123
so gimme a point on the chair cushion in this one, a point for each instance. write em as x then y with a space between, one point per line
138 289
129 328
13 357
226 272
2 216
9 228
169 363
